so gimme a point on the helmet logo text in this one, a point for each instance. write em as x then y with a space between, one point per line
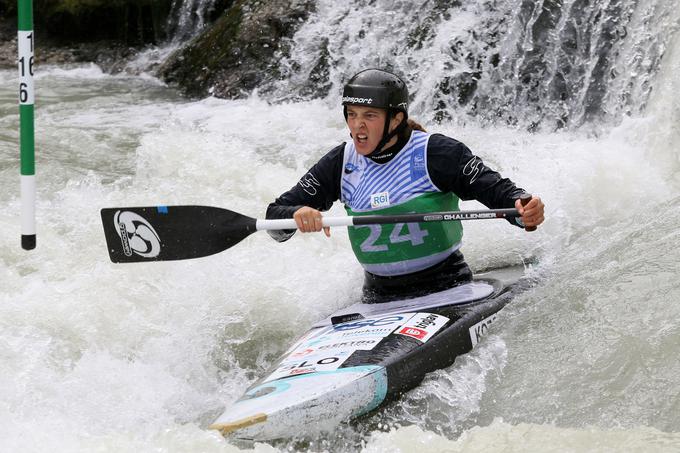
353 100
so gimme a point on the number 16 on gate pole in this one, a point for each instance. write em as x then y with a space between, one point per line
26 120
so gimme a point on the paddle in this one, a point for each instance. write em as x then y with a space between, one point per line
166 233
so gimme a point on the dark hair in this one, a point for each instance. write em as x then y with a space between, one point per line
414 126
411 125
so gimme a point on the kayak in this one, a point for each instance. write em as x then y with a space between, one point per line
360 357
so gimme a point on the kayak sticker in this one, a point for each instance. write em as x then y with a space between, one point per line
328 348
422 326
373 325
136 235
313 363
480 329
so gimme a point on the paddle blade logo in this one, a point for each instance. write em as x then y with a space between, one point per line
136 235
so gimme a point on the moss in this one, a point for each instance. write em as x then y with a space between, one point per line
192 66
238 52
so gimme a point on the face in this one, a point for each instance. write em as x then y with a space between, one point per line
366 125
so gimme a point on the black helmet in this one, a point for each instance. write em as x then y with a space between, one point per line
383 90
376 88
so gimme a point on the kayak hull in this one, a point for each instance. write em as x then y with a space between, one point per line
317 401
359 357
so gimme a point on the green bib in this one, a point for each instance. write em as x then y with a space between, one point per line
404 248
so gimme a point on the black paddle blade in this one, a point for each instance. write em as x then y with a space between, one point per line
166 233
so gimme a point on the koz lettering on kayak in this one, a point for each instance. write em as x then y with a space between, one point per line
422 326
136 235
480 329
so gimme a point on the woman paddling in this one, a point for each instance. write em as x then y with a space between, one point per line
392 166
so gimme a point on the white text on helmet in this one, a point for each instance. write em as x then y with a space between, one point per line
352 100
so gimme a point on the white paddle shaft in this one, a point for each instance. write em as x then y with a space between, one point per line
289 224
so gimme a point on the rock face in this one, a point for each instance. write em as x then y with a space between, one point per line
106 32
236 54
129 22
239 51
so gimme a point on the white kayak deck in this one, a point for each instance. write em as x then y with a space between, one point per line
462 294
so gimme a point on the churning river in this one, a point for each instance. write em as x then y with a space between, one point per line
101 357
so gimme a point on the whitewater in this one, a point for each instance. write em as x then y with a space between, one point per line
142 357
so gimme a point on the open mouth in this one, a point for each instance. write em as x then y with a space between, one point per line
362 138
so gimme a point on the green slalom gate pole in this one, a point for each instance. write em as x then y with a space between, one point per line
27 131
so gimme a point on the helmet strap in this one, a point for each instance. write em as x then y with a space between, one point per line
387 136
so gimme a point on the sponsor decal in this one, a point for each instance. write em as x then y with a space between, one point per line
350 167
418 169
370 332
433 218
302 353
418 334
423 326
326 349
380 200
354 100
468 216
122 232
136 235
309 184
346 318
301 371
358 344
472 168
480 329
296 367
376 322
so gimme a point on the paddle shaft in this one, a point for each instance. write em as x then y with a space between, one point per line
448 216
165 233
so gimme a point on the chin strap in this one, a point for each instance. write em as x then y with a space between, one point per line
387 136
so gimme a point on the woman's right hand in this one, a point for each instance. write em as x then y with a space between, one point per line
309 220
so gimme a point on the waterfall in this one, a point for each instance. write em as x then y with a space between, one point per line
187 18
548 63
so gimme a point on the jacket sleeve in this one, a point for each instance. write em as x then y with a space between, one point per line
318 189
453 168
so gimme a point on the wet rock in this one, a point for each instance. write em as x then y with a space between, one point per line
240 51
130 22
107 33
111 56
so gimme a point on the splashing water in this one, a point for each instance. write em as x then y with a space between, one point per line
103 357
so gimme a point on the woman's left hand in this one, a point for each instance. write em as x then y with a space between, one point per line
532 214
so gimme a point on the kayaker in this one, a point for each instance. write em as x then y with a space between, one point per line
392 166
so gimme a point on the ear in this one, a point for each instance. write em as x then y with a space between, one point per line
396 120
